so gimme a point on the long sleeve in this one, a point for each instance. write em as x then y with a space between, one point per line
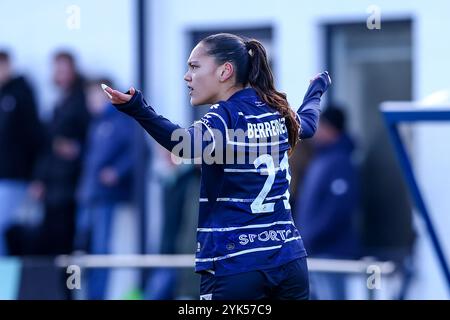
309 111
160 128
185 143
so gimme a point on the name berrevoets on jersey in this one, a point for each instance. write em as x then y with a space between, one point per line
266 129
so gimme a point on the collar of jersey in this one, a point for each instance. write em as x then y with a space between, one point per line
244 93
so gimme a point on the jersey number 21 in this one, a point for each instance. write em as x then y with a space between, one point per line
258 205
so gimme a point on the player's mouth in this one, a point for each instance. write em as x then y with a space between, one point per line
190 90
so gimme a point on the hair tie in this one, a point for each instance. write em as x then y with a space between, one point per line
249 49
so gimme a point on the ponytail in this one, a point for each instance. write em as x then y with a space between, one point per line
252 67
260 78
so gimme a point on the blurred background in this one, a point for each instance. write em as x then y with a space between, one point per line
77 177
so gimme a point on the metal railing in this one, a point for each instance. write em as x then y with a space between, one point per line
187 261
363 267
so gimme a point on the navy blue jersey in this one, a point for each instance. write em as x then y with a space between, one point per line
245 221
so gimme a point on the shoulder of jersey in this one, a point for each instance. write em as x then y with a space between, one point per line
217 106
222 108
225 111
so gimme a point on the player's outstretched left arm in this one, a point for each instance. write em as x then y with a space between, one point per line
309 111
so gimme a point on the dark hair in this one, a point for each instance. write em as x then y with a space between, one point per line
252 68
335 116
4 56
65 55
79 81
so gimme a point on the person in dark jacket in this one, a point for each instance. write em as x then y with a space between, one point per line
106 180
328 201
21 137
60 168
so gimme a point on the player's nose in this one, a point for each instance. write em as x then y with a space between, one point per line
187 77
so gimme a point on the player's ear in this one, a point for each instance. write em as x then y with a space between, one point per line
226 71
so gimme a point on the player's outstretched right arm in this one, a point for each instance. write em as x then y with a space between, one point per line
184 143
133 104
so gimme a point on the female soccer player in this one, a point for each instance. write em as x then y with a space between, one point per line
248 246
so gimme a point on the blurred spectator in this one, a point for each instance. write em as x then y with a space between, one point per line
106 180
327 203
21 137
60 167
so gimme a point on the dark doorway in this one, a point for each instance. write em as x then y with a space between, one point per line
369 67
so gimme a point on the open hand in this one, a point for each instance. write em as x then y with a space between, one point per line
118 97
